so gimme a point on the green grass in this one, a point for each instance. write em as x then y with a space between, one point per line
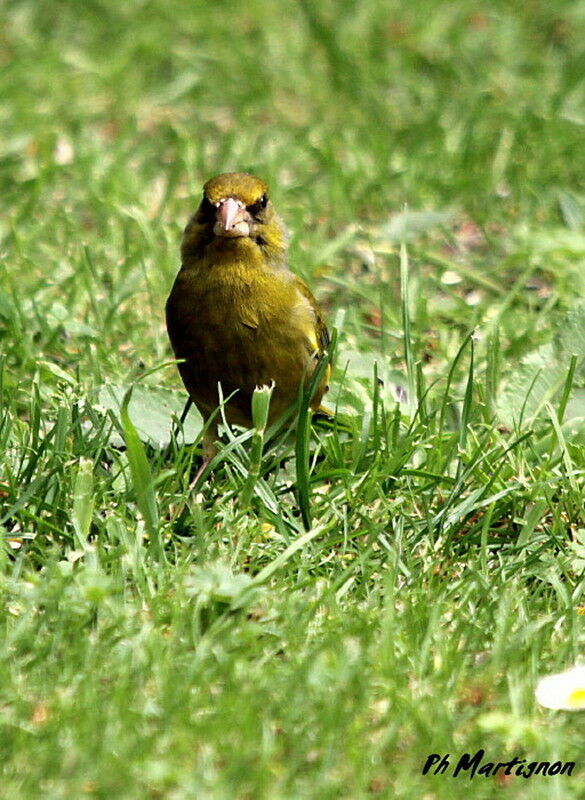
429 162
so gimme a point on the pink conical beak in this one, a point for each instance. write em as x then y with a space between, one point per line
229 213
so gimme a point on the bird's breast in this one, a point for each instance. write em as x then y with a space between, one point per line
243 330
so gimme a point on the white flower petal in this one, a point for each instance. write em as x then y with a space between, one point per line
565 690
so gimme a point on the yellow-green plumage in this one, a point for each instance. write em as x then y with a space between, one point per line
236 314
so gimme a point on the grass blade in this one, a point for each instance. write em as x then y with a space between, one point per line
304 431
83 502
408 353
467 401
567 389
141 477
260 409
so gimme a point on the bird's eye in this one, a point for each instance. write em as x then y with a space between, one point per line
207 208
260 204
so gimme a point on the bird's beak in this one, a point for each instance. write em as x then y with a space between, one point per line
231 219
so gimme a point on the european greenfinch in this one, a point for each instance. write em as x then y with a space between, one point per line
237 316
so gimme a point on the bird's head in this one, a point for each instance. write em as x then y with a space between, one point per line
235 211
238 203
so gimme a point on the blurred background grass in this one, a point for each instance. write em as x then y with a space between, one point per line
113 116
446 569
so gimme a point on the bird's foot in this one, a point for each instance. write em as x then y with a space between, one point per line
195 482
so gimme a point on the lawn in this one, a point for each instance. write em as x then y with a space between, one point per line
428 160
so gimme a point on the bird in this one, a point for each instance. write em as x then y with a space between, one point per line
237 316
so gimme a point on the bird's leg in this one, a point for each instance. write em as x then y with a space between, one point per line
209 448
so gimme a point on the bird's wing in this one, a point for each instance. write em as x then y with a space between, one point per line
249 319
321 334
